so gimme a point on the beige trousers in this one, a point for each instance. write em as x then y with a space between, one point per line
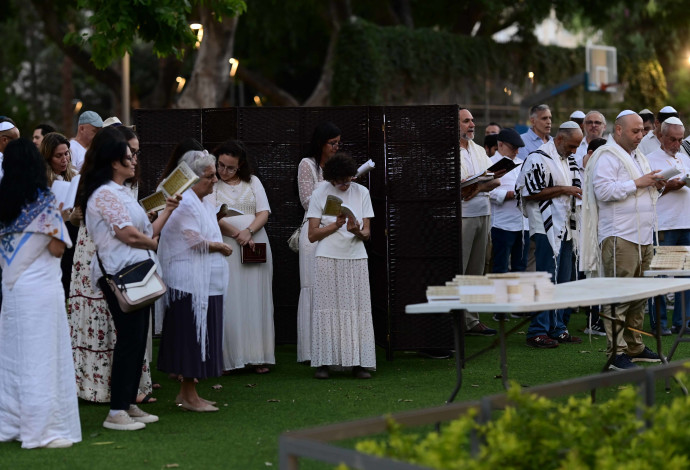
621 258
475 237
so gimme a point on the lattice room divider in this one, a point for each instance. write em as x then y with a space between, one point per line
414 189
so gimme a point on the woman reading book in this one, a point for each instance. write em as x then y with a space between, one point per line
325 142
342 332
249 338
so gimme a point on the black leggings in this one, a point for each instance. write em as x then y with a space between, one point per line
132 331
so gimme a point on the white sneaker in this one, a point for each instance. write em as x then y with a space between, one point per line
58 444
140 416
121 421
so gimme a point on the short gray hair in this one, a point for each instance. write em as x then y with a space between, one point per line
534 110
665 125
603 118
198 161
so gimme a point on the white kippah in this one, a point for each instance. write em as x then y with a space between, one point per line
569 125
646 111
674 120
667 109
577 115
625 112
6 126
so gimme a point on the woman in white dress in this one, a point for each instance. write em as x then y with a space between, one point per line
342 331
249 337
38 394
91 325
325 142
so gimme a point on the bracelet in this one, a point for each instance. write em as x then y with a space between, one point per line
251 232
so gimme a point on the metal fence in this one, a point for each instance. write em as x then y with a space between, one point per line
314 443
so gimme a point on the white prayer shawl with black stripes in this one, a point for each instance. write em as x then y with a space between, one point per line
543 169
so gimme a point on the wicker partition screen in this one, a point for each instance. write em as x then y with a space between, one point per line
414 189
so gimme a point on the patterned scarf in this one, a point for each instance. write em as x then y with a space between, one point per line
25 238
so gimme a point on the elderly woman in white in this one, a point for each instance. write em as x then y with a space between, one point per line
192 255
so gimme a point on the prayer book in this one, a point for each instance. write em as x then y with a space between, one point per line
181 179
257 255
365 168
478 178
669 173
66 192
224 211
335 206
504 163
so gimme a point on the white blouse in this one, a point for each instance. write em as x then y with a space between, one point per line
341 244
110 206
309 175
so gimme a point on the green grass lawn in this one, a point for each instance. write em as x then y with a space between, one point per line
256 409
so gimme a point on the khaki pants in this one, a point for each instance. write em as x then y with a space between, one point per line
621 258
475 237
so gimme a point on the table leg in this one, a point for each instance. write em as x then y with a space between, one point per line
681 333
504 358
459 341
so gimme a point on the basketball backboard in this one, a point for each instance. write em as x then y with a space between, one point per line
602 68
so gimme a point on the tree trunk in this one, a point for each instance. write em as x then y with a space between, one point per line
67 95
210 77
340 11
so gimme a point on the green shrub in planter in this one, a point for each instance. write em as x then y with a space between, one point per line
538 433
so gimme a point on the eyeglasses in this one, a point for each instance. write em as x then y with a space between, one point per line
135 153
229 169
335 144
595 123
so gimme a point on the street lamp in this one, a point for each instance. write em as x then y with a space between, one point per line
199 32
234 63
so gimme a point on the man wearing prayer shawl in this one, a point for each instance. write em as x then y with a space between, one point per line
549 188
618 214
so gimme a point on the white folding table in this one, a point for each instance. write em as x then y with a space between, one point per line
583 293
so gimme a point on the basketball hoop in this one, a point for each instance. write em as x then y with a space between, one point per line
602 70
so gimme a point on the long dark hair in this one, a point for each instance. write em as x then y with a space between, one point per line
181 148
236 149
108 146
322 134
24 177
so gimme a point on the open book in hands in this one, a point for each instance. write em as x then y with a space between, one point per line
224 211
335 206
66 192
181 179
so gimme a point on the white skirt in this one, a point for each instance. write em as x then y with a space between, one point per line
342 331
38 390
307 258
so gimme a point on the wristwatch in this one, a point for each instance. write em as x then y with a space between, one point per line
251 232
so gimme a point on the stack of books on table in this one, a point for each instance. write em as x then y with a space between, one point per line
495 288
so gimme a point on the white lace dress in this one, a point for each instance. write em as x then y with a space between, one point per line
249 336
309 175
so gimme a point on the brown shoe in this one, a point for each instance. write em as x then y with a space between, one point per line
360 373
480 329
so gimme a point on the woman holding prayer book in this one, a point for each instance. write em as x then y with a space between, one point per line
122 235
249 338
325 142
55 151
192 255
38 395
91 325
342 332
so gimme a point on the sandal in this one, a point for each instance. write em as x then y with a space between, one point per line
261 369
146 399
